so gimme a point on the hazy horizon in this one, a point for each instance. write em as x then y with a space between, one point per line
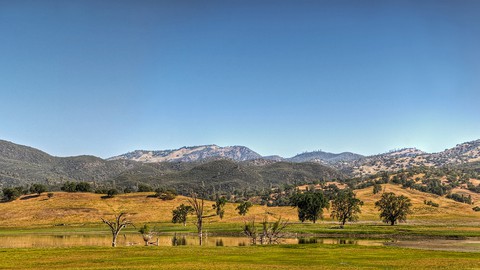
280 77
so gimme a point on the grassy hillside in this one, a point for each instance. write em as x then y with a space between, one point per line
88 208
448 211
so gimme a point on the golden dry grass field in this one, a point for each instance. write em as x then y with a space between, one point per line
88 208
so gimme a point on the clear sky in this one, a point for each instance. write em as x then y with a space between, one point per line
281 77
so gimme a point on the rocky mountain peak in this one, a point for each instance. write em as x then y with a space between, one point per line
192 153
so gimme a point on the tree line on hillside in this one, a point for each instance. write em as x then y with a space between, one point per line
439 181
12 193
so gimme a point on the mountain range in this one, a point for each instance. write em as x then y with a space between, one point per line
235 153
189 154
350 163
226 167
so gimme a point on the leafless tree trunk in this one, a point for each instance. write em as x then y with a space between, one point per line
273 231
250 231
197 204
146 238
117 225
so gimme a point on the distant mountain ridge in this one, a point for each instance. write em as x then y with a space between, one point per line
231 165
319 156
350 163
190 154
235 153
23 165
411 157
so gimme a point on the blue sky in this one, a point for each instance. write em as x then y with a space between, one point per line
281 77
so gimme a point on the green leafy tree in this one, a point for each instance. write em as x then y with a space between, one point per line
76 187
83 187
346 207
377 188
243 207
144 188
10 194
219 206
393 208
38 188
310 205
179 214
69 186
112 192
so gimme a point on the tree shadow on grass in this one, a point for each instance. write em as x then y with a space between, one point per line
29 197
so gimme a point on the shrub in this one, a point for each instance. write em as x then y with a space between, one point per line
476 209
83 187
69 187
128 190
38 188
431 203
112 192
76 187
101 191
165 194
144 188
460 198
10 194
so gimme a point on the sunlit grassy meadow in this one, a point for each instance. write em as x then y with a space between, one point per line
80 213
256 257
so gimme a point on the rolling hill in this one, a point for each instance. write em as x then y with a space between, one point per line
235 167
87 208
228 175
22 165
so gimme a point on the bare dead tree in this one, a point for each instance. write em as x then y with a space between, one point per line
250 230
271 232
198 206
117 225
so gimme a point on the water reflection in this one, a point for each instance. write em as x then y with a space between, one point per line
179 240
310 241
346 242
71 240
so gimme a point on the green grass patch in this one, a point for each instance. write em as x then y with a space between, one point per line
254 257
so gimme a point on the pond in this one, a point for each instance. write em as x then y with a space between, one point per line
74 240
